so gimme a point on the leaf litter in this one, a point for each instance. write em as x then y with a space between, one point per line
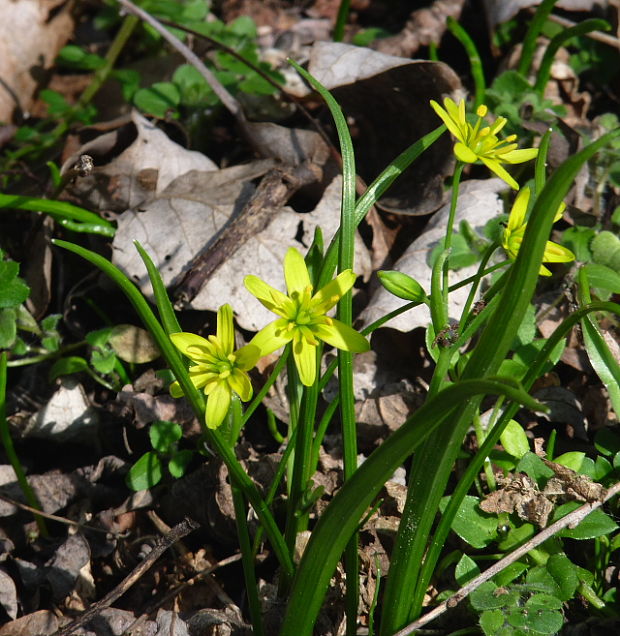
175 202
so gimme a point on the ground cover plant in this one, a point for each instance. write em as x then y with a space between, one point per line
298 337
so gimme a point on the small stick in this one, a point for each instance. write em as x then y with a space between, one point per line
572 519
163 543
225 97
47 515
593 35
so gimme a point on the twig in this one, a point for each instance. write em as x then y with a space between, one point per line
225 97
572 519
593 35
47 515
178 589
178 532
277 186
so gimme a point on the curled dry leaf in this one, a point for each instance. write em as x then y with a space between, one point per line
478 202
386 100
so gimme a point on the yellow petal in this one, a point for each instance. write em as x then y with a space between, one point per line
464 153
448 121
272 337
519 210
270 297
194 347
295 272
555 253
241 385
560 212
329 295
225 329
519 156
247 357
342 336
305 360
200 375
495 167
218 403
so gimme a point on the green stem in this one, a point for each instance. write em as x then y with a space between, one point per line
243 534
529 42
491 439
433 464
9 449
196 399
477 72
558 41
341 20
273 376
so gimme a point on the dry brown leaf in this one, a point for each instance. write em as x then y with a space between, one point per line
133 344
386 100
31 34
478 202
145 162
42 623
198 213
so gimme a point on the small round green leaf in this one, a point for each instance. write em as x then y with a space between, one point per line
67 366
514 440
160 100
164 434
145 473
179 462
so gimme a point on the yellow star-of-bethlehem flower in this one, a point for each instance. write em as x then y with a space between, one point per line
303 320
219 370
512 236
481 143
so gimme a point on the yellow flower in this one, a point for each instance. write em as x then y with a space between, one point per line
218 367
303 320
481 143
512 236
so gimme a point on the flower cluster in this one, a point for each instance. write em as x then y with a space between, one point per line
221 371
480 142
302 312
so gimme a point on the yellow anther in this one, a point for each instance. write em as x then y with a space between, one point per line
482 111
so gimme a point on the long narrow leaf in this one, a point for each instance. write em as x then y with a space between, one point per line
166 310
195 398
433 464
59 210
340 519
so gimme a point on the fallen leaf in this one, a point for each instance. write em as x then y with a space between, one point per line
67 415
31 34
478 202
386 100
145 162
8 594
63 569
198 217
499 11
41 623
133 344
